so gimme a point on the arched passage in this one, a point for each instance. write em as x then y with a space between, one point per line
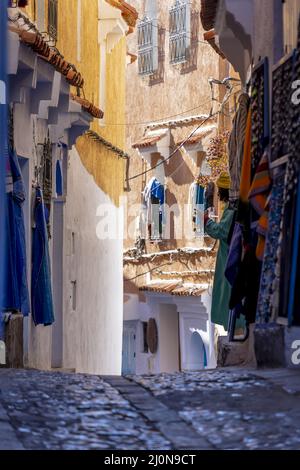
197 352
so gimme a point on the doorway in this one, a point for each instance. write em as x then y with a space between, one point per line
129 348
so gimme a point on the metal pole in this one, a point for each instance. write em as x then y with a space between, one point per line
3 130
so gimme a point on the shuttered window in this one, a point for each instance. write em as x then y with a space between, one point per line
52 19
148 46
180 31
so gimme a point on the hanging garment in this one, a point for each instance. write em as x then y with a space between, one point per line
287 233
259 197
268 275
196 204
236 146
153 202
243 206
245 290
234 255
260 133
16 295
221 289
41 289
293 298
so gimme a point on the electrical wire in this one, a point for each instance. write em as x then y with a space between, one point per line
220 111
160 119
148 272
176 149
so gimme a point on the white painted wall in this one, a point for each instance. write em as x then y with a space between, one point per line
93 332
168 339
176 317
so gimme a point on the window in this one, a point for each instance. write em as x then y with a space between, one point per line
52 19
180 34
74 295
148 46
40 15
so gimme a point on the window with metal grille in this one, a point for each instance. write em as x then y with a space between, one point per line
148 46
180 34
52 19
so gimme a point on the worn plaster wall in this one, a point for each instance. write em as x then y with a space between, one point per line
92 333
107 169
93 329
268 30
175 91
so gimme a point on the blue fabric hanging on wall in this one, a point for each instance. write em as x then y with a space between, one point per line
3 135
16 296
41 288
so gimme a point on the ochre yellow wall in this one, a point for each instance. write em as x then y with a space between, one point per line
104 165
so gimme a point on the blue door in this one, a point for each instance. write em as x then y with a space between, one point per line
129 348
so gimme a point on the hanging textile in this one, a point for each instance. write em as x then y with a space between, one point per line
243 209
293 297
221 290
234 255
153 207
268 276
236 146
286 145
260 133
16 296
246 286
196 204
41 289
259 199
3 136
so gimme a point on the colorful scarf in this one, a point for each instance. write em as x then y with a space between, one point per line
259 199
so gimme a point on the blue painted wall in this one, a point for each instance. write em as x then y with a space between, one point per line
3 129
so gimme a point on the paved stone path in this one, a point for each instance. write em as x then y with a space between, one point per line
223 409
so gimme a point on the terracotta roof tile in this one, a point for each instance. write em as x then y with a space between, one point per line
210 37
36 42
174 288
208 13
88 106
148 141
196 138
33 40
129 13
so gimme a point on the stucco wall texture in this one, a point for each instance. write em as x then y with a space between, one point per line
106 168
92 332
179 91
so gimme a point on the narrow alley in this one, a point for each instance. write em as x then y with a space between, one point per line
149 226
224 409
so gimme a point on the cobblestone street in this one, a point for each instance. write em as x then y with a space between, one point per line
223 409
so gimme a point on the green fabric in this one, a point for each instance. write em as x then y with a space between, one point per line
221 290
